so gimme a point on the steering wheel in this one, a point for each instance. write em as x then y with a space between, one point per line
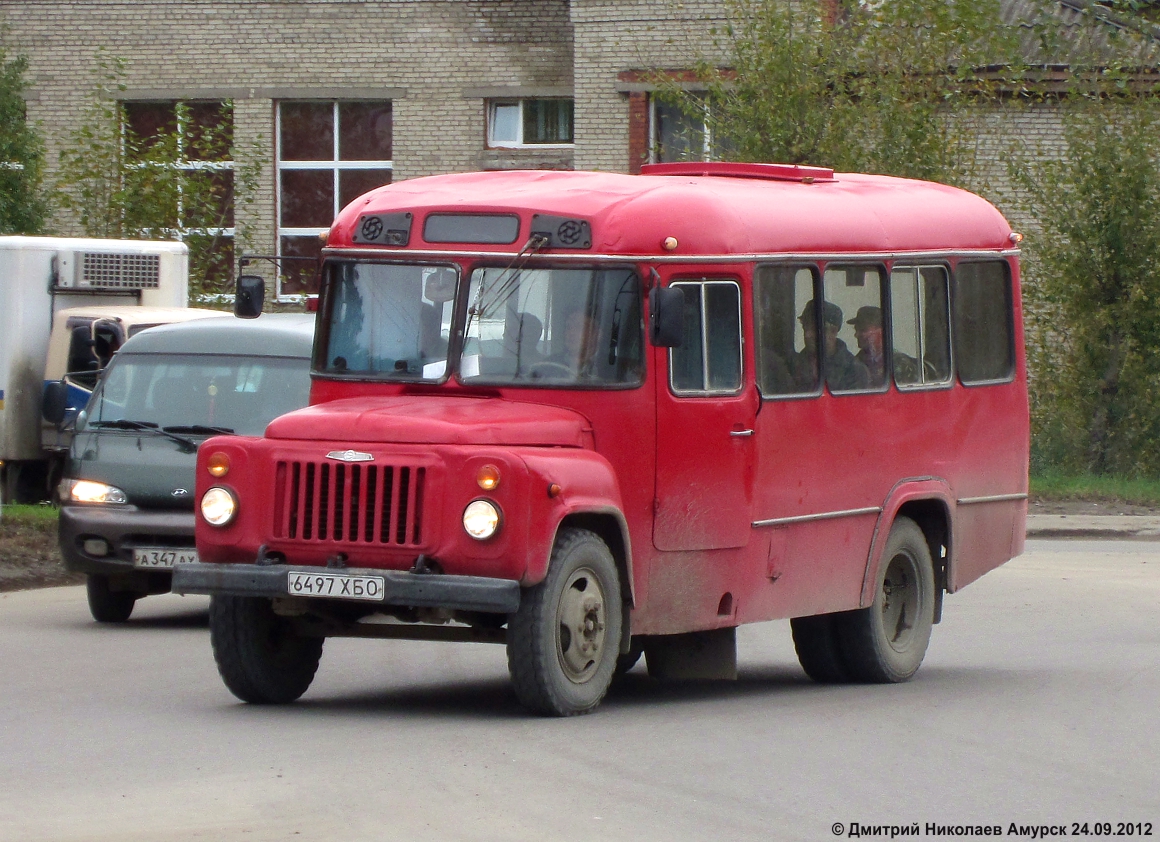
548 368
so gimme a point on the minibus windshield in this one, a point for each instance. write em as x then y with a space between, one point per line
557 327
199 395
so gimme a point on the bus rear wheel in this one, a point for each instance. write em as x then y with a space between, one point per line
260 656
886 642
564 641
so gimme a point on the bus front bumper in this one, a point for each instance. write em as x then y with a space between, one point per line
365 585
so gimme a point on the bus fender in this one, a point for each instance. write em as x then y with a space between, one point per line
579 489
930 503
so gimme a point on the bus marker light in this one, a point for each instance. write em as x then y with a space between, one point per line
554 490
669 244
218 464
488 478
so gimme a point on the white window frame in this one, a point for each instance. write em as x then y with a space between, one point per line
519 142
335 164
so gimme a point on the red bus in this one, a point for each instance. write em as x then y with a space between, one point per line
590 415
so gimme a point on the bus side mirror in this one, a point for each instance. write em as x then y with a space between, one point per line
54 403
666 309
250 297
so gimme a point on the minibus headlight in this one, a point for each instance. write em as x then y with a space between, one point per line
88 491
481 519
218 506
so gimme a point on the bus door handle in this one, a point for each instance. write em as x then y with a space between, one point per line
741 433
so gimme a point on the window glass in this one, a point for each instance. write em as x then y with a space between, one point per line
984 347
678 136
242 394
390 319
919 322
709 356
851 329
528 122
365 131
784 367
547 121
554 327
330 153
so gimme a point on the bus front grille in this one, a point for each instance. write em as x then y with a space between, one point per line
360 504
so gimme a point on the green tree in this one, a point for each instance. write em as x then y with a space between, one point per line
185 181
22 204
1093 290
873 89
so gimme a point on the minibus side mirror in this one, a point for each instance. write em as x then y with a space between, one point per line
666 307
250 297
54 403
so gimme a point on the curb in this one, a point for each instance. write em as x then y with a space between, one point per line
1145 528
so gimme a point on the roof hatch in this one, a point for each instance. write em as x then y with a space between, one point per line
772 172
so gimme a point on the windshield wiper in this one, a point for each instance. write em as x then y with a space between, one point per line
201 429
145 427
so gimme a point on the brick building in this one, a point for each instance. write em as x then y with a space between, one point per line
347 94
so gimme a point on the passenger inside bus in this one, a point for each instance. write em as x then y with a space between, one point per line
844 372
871 351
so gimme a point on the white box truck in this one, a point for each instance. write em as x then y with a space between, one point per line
95 281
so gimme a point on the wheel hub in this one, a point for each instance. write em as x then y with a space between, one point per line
582 624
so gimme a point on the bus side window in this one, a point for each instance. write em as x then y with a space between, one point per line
780 294
709 357
856 354
919 321
983 317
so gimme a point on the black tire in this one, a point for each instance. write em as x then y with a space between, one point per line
108 605
564 641
260 656
819 650
886 642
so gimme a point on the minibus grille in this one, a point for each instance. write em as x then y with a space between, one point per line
362 504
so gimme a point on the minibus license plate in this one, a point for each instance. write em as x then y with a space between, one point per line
162 557
335 586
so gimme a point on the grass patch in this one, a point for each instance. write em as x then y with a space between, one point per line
31 515
1140 492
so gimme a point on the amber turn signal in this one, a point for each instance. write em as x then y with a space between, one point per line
218 465
488 478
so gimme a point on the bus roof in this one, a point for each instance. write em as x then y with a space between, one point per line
729 210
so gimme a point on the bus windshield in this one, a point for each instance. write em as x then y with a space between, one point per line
390 319
555 327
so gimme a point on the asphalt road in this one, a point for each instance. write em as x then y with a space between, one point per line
1037 705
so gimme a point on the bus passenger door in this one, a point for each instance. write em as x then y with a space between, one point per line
705 421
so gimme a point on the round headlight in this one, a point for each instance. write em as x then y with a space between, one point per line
481 519
218 506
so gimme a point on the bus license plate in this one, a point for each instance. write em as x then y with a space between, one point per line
335 586
162 557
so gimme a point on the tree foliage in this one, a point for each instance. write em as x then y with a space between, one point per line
184 181
22 204
1093 295
871 90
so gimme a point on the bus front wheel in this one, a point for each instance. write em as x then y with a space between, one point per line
564 641
260 656
885 642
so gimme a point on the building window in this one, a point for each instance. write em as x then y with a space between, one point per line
329 153
677 136
529 122
196 139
